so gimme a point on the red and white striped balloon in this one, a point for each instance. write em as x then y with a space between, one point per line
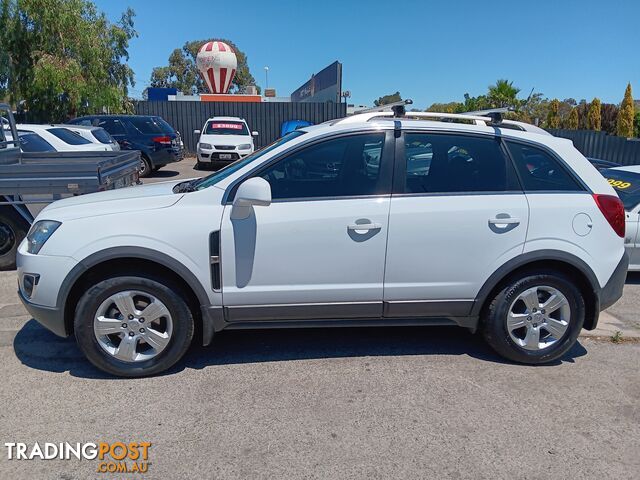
217 64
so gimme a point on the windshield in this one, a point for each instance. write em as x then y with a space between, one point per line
626 185
223 173
220 127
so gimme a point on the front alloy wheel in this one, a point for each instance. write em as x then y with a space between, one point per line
134 325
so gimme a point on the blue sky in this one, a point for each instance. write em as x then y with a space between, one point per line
430 50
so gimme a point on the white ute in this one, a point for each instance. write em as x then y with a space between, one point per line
223 140
364 221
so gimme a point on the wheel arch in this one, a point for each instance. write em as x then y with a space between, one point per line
129 260
555 260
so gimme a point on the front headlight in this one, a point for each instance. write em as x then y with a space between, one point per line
39 234
205 146
244 146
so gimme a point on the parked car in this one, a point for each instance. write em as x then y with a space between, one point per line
602 164
291 125
95 135
158 142
526 247
34 175
61 138
224 140
626 182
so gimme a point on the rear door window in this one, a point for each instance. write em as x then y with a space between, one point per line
540 171
113 126
102 136
437 163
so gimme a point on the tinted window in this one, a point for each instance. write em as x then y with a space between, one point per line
166 128
67 136
451 163
539 171
223 127
343 166
32 142
102 136
146 125
626 185
114 127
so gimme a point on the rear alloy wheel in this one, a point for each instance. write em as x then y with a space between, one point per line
535 318
133 326
145 167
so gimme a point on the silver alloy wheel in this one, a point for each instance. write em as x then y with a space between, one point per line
133 326
538 317
143 167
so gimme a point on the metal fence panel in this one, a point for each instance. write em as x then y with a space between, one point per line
625 151
264 117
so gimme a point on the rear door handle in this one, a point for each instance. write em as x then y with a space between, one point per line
364 226
504 221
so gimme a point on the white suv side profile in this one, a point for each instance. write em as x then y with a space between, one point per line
363 221
223 140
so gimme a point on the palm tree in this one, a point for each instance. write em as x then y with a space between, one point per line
503 94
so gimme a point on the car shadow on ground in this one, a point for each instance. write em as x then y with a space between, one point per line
164 174
40 349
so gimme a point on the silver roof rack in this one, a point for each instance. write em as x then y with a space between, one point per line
491 117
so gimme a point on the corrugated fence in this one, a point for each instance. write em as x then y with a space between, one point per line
264 117
600 145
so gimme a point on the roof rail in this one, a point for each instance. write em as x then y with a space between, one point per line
490 117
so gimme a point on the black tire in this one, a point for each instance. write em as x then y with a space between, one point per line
13 229
145 166
494 317
183 325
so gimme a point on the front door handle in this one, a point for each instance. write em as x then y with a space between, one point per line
504 221
364 226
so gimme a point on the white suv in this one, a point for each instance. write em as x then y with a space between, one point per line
223 140
364 221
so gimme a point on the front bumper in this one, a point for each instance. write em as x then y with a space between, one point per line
214 156
50 317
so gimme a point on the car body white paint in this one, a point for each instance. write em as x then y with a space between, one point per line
89 131
302 253
632 233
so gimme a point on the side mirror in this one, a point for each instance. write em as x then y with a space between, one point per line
254 192
254 133
196 132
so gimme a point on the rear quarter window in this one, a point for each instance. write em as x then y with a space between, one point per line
540 171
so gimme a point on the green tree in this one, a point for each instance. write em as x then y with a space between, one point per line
636 125
182 72
451 107
594 119
553 119
503 94
625 127
393 97
63 57
572 123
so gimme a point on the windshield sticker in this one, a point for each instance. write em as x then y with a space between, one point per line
232 126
